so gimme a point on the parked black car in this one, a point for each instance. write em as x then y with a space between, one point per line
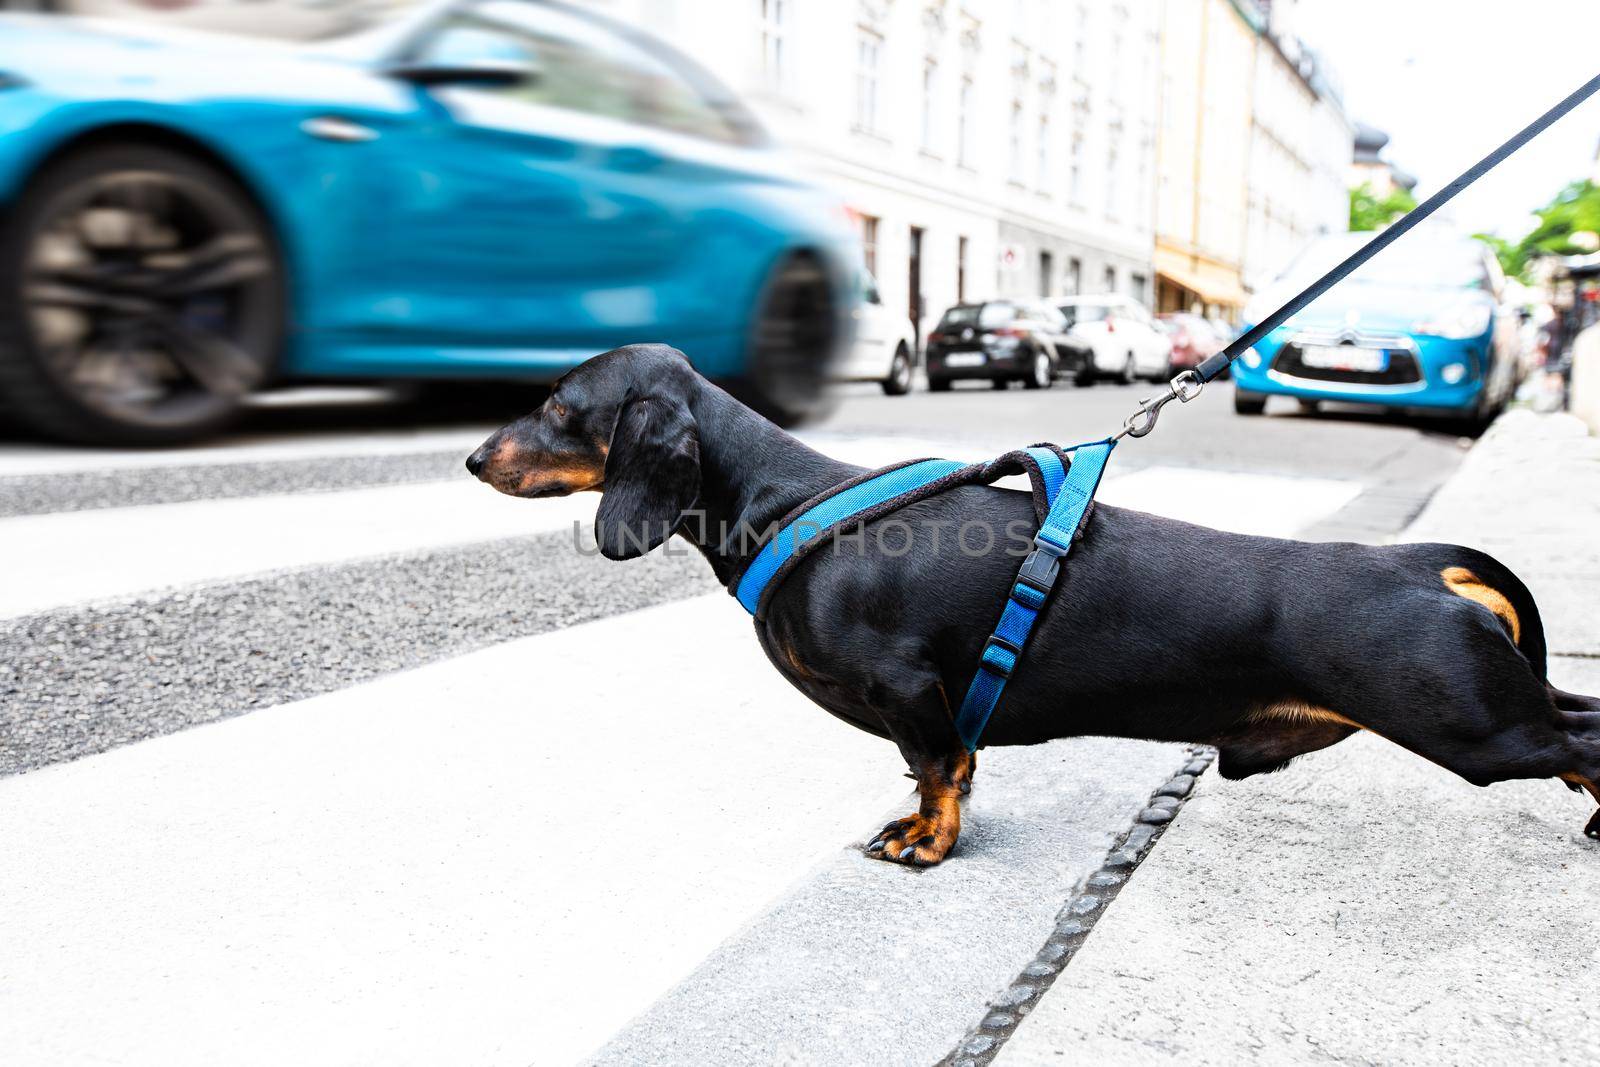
1004 341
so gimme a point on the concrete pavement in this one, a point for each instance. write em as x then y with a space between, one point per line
1364 906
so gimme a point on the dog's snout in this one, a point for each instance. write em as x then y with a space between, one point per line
476 461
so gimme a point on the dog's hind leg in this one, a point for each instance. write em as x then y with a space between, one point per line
1579 716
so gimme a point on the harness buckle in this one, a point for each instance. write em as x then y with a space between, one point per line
1042 566
994 665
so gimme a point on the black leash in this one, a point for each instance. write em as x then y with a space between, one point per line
1186 386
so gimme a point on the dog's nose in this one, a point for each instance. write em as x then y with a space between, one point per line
475 462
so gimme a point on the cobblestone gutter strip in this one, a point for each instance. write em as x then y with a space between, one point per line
1077 918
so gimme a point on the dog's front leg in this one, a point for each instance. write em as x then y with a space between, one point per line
926 837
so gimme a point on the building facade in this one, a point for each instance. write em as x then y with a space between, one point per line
987 149
1370 168
1252 156
1300 150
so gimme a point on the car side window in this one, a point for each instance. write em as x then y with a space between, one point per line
579 66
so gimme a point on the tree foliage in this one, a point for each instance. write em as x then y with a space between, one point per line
1574 210
1368 211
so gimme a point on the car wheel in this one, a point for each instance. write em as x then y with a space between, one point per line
1000 383
898 383
141 298
1129 371
1086 375
793 343
1043 373
938 385
1309 407
1245 403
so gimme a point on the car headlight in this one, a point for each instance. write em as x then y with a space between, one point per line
1458 323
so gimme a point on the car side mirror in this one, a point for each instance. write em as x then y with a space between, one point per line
484 73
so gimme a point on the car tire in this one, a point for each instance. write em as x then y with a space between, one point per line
1000 383
1247 403
1042 375
898 383
1309 407
938 385
1086 375
1129 372
792 344
142 298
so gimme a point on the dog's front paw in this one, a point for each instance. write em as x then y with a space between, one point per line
916 840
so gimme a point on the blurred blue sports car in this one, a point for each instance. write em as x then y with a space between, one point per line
1420 328
486 188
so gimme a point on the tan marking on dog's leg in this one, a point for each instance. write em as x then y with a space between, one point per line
1299 712
925 838
1463 582
1588 783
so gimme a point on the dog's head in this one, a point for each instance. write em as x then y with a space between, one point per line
619 424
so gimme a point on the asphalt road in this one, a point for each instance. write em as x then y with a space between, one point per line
231 672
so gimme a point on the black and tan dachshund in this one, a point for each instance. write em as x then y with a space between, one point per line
1265 648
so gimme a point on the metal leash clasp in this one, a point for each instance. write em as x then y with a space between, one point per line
1185 387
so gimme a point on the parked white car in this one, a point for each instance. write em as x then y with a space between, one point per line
885 349
1126 341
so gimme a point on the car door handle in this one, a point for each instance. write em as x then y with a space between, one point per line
334 128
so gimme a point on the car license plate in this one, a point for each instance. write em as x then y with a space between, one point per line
1345 357
965 359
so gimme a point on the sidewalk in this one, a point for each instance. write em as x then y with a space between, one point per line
1365 906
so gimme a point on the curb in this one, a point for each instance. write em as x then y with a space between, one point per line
1077 918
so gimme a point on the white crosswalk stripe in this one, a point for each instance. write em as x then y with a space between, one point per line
498 858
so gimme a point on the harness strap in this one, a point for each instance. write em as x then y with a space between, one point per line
1070 495
822 518
1062 495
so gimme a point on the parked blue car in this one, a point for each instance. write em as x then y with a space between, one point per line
493 189
1420 328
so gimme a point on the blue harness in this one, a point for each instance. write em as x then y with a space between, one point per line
1065 490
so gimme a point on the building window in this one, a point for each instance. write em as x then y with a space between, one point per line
1113 179
869 47
1016 142
964 124
1075 169
1074 283
1042 150
869 243
1047 270
1080 44
961 270
1111 278
930 100
1139 284
774 27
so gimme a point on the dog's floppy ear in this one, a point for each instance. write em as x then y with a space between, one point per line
652 476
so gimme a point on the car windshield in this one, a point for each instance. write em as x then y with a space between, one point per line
1412 262
986 316
1081 313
